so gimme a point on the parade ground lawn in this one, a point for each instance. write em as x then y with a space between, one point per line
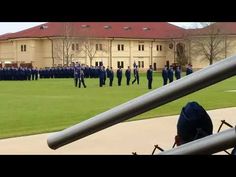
46 105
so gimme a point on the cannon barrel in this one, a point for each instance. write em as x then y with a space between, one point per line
207 145
160 96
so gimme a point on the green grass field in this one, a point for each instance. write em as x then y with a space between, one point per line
31 107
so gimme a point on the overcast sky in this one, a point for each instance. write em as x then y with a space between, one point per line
11 27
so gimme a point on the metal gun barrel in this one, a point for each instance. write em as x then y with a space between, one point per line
207 145
160 96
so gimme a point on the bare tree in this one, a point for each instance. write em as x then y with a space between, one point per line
90 47
62 47
211 45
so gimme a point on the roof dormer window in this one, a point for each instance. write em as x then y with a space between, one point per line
146 29
127 28
85 26
107 27
43 27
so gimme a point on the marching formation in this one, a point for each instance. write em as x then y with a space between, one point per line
80 72
21 73
107 73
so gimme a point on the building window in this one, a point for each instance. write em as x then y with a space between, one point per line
159 47
98 63
75 46
120 47
23 48
85 26
98 46
141 64
146 29
141 47
127 28
120 64
107 27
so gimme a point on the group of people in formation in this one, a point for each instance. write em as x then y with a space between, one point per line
103 73
169 73
18 73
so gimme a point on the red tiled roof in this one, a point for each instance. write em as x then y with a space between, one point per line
5 35
154 30
228 28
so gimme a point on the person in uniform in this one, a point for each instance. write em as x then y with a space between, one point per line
136 75
111 76
128 75
81 78
101 76
177 73
76 74
135 65
119 76
165 75
170 74
108 72
28 72
104 75
149 76
1 73
36 73
189 69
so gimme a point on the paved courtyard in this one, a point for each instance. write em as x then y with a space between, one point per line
124 138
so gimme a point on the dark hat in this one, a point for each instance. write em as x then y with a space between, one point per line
193 123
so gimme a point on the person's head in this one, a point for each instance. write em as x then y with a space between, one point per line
194 123
150 66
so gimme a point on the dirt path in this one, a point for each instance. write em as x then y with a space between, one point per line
124 138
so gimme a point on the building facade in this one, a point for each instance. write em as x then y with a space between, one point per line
112 44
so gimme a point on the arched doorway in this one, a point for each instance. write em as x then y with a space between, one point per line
181 56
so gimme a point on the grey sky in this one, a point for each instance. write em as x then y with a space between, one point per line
11 27
188 24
